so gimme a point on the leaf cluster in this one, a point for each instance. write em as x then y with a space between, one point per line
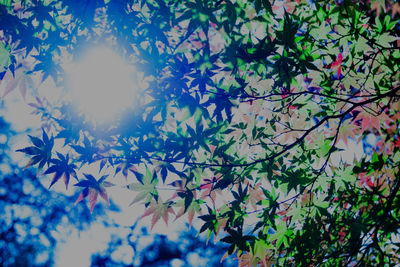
244 112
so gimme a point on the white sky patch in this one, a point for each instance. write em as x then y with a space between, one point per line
80 246
102 85
18 113
353 151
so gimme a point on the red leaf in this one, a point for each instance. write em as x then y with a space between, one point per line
370 121
92 198
158 209
338 63
93 188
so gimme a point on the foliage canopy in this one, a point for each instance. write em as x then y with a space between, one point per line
247 113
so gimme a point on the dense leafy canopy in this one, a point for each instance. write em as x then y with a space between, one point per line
246 115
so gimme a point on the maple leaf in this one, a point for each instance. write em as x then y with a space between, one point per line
191 210
342 234
237 240
366 179
159 209
21 80
280 235
255 195
347 129
396 143
395 9
125 167
248 259
370 121
338 63
283 6
93 188
87 151
146 188
5 57
378 5
208 189
214 223
40 151
61 168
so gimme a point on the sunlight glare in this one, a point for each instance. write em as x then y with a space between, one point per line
102 85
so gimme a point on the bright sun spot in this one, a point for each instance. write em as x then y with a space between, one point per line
102 84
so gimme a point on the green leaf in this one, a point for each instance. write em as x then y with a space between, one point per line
267 6
145 190
280 235
6 2
5 59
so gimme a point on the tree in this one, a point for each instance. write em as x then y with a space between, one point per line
161 251
33 219
246 113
